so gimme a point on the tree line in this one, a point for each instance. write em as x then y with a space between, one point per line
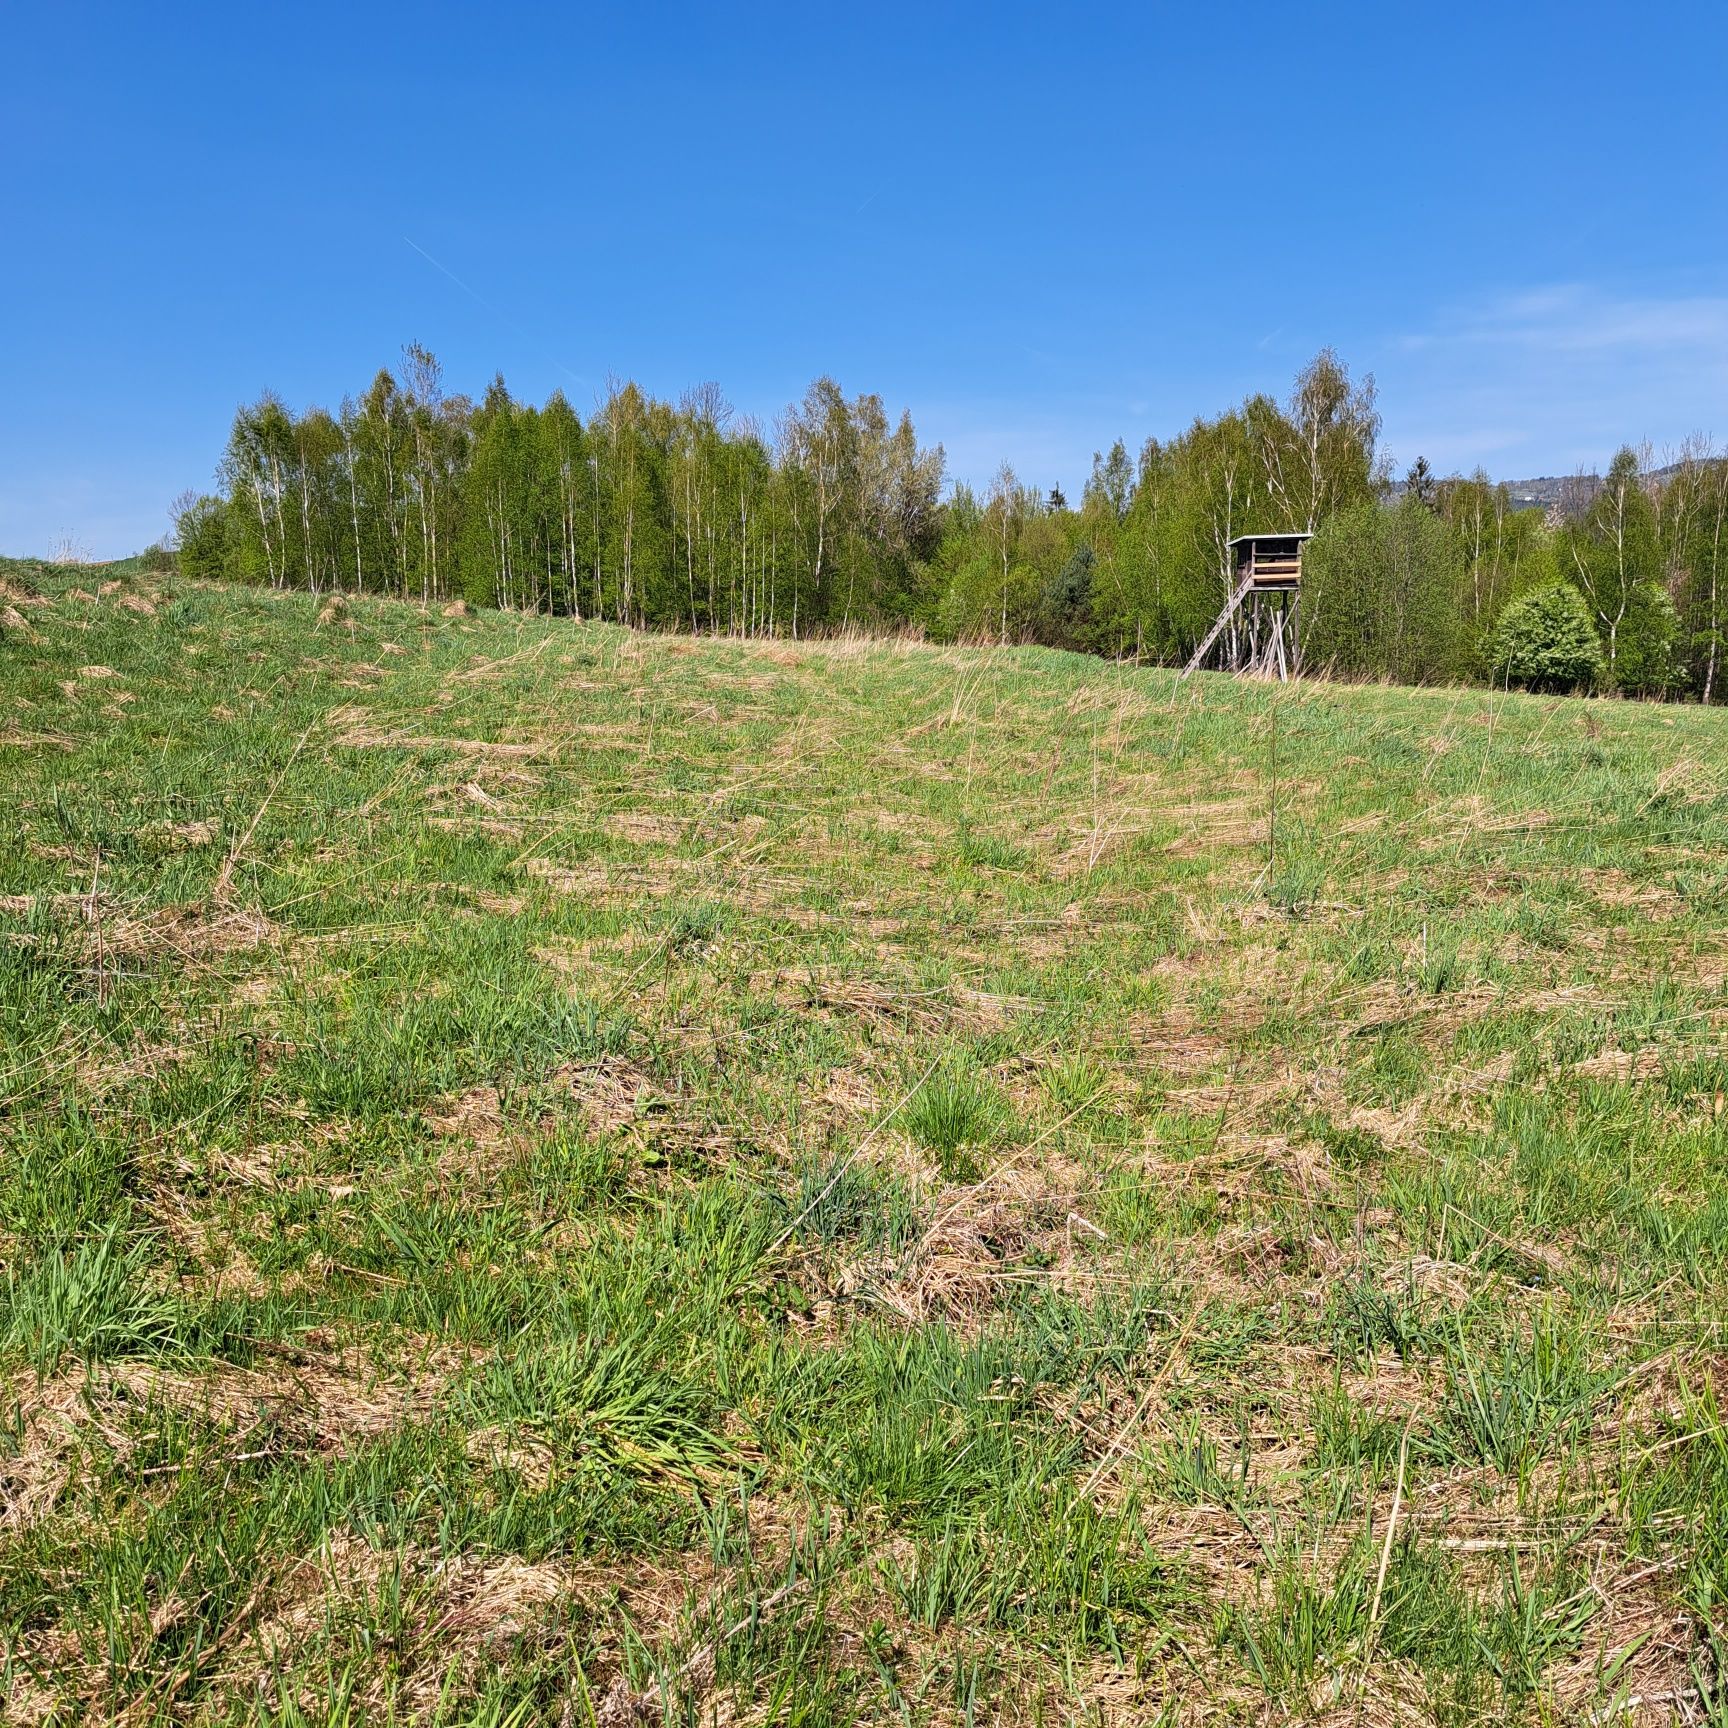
685 516
648 514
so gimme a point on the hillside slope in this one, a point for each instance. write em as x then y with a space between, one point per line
548 1173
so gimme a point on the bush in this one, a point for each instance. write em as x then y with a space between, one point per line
1068 600
1648 663
202 531
1380 596
1546 641
983 604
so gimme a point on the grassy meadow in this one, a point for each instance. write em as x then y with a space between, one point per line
550 1174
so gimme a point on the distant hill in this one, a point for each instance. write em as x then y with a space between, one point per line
1546 491
1550 489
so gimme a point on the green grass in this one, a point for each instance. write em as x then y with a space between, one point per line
548 1173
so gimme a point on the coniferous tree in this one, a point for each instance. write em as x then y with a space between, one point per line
1546 640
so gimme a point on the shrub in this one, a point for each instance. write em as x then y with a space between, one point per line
1648 663
1068 599
201 528
1546 641
1380 592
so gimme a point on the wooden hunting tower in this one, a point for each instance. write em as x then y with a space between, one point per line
1258 622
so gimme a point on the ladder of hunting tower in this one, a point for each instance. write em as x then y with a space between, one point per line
1230 609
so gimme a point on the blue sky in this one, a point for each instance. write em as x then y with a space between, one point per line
1039 228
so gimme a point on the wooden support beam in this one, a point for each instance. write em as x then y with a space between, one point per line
1224 618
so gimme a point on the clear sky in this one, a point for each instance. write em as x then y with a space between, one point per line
1039 228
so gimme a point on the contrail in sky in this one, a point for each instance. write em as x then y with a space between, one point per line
480 299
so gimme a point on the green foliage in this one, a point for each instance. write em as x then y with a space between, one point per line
1165 566
673 516
1164 569
649 514
955 1115
1000 569
1380 596
1612 553
201 529
1504 550
1545 640
1068 599
1649 662
1693 522
91 1301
